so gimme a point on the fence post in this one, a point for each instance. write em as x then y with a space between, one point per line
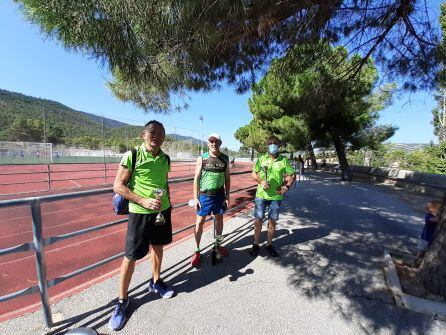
105 172
49 176
40 261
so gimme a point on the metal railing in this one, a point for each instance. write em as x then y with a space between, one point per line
39 242
48 175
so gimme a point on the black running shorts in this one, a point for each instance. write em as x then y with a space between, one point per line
142 232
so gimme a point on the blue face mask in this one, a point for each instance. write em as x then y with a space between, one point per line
273 149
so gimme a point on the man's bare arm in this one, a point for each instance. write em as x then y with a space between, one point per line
197 180
227 184
120 187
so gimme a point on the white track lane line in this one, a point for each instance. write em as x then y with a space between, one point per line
78 185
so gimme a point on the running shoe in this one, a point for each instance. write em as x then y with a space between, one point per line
196 259
223 251
254 252
162 289
117 319
271 250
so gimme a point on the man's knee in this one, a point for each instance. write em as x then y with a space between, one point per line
200 220
127 263
258 222
157 251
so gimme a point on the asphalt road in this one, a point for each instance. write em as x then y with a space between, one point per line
327 280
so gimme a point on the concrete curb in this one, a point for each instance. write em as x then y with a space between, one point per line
408 301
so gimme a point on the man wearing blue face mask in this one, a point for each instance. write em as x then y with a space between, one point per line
269 172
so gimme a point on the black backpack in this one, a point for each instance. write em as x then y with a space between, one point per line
121 204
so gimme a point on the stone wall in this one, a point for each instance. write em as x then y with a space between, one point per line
432 184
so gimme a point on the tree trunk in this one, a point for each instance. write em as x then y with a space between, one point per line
312 156
343 163
433 267
252 154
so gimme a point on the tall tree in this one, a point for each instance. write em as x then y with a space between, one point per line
157 48
252 136
433 267
439 112
439 117
314 101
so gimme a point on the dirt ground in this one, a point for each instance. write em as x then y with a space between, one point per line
408 270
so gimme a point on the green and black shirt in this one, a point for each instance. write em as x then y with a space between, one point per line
212 180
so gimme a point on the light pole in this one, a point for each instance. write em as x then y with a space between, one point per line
44 132
201 148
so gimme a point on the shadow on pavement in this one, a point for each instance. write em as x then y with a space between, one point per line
352 224
330 239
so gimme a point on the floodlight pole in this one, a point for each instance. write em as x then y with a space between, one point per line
201 119
44 131
44 123
103 149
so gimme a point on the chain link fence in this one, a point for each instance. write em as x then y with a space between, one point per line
18 153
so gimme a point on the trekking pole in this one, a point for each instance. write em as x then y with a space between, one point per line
214 248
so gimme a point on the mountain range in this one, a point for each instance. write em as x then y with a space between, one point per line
73 123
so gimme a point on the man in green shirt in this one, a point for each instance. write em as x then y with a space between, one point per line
212 183
269 172
145 227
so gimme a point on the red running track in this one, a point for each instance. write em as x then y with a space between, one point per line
17 271
16 179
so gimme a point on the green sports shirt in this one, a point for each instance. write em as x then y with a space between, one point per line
150 173
275 171
212 180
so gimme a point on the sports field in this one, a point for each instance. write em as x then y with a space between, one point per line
18 270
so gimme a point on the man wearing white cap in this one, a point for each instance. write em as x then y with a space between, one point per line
211 195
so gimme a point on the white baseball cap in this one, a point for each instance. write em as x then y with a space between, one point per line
214 135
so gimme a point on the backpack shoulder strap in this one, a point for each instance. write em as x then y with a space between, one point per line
134 153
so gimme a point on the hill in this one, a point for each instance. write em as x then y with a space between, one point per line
22 119
74 123
194 140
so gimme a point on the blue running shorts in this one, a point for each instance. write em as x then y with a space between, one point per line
211 204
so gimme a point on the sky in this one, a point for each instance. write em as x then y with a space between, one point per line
34 65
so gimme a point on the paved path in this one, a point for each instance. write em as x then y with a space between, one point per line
328 280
